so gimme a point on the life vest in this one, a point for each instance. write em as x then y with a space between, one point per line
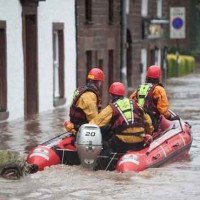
77 116
126 114
146 100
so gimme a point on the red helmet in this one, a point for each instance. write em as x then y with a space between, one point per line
117 88
154 72
96 74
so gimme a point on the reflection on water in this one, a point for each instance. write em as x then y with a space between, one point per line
177 180
23 135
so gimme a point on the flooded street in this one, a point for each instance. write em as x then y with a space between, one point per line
177 180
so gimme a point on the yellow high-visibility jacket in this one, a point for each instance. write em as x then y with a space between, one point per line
105 116
88 103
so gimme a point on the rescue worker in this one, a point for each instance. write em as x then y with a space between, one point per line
127 121
152 96
86 101
13 165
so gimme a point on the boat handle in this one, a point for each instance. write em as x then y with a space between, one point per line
156 157
175 145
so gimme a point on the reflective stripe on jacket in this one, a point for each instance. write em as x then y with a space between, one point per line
106 117
125 114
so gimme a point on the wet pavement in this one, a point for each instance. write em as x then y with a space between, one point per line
177 180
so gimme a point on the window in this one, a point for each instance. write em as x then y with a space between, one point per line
3 72
143 65
58 64
127 7
110 66
144 8
157 56
159 8
88 61
88 11
110 11
100 64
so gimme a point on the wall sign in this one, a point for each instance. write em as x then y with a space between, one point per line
153 28
177 22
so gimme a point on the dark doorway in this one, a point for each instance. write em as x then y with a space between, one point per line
31 65
129 59
3 72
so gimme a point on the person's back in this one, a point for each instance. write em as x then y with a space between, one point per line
127 121
152 96
86 101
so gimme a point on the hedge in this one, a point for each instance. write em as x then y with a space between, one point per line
185 65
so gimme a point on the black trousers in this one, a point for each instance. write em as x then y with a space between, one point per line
116 145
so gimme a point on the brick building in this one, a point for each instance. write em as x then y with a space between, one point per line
148 28
47 49
98 40
137 31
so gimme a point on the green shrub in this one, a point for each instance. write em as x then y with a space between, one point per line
180 66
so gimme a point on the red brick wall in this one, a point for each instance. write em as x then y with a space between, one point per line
134 25
98 37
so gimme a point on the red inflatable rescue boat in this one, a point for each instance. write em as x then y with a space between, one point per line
173 139
58 150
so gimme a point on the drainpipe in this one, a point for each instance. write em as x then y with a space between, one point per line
123 44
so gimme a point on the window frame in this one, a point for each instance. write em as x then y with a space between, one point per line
59 98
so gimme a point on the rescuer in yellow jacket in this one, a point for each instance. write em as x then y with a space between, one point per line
152 96
86 101
127 121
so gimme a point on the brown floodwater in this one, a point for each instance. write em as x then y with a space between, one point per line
177 180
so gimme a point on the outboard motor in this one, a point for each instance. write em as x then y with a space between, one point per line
89 144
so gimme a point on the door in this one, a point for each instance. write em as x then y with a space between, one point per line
31 65
143 65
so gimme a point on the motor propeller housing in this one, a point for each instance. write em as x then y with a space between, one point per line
89 144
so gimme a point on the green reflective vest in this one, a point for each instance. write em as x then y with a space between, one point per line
125 107
143 92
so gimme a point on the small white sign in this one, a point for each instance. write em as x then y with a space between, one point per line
177 22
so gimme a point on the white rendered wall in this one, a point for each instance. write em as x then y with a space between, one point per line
49 12
10 11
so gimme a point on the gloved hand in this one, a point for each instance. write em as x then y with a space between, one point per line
172 117
148 139
69 126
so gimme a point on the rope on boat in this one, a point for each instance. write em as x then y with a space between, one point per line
111 161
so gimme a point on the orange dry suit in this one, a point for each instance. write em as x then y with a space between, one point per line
128 122
85 105
153 98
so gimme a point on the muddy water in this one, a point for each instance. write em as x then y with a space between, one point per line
177 180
